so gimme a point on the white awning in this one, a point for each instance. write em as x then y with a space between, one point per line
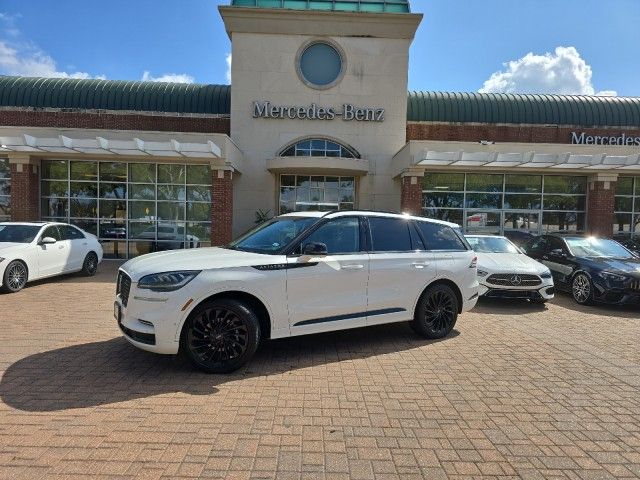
168 146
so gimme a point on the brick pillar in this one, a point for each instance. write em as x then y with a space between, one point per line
25 191
221 207
600 205
411 194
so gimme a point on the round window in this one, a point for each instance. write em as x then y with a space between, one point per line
320 64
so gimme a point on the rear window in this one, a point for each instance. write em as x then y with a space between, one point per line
440 237
390 234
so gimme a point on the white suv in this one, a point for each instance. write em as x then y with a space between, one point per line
296 274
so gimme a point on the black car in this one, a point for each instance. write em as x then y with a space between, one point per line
592 269
519 237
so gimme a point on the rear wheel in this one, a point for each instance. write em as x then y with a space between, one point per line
437 312
90 265
15 277
221 336
582 289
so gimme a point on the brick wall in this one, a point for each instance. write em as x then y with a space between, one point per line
221 207
25 188
600 206
452 132
110 120
411 195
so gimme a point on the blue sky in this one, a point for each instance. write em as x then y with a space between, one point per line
563 46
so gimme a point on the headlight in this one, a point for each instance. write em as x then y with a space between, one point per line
482 273
546 274
167 281
615 277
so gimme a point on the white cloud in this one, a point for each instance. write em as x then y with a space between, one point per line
562 72
168 77
19 57
228 74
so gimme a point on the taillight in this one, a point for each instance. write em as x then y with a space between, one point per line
474 262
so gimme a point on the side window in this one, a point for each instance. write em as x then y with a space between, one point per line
70 233
340 235
537 245
557 244
440 237
51 232
416 240
390 234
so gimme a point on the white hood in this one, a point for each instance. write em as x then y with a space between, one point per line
509 263
195 259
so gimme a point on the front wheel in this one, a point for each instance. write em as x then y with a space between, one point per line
15 277
221 336
437 312
582 289
90 265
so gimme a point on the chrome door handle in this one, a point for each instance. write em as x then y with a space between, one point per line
356 266
420 264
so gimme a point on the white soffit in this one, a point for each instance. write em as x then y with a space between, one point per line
103 145
552 161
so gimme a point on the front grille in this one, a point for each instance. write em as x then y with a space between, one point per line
514 279
123 287
528 294
635 285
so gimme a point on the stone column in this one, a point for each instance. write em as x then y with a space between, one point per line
221 206
411 193
25 188
600 204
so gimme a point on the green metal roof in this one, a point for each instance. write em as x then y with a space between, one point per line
421 106
364 6
114 95
580 110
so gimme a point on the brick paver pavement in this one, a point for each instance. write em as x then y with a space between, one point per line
517 391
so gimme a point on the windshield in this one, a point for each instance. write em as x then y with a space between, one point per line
272 236
492 245
18 233
597 247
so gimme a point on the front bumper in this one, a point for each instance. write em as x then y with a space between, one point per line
623 293
544 291
150 321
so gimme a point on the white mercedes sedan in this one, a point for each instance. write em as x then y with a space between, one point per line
31 251
504 271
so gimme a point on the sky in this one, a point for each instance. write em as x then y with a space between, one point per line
517 46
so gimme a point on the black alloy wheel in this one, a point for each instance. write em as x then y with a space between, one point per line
90 265
437 312
221 336
582 289
15 277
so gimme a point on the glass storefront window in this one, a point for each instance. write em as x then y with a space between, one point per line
125 207
318 147
627 207
496 202
316 192
5 190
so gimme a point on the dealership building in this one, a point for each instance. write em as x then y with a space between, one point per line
318 117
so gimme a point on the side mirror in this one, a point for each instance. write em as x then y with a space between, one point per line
314 249
47 240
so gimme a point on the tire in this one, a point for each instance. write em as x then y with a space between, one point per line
582 289
90 265
437 312
15 277
221 336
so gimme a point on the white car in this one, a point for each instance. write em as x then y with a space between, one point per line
297 274
504 271
31 251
